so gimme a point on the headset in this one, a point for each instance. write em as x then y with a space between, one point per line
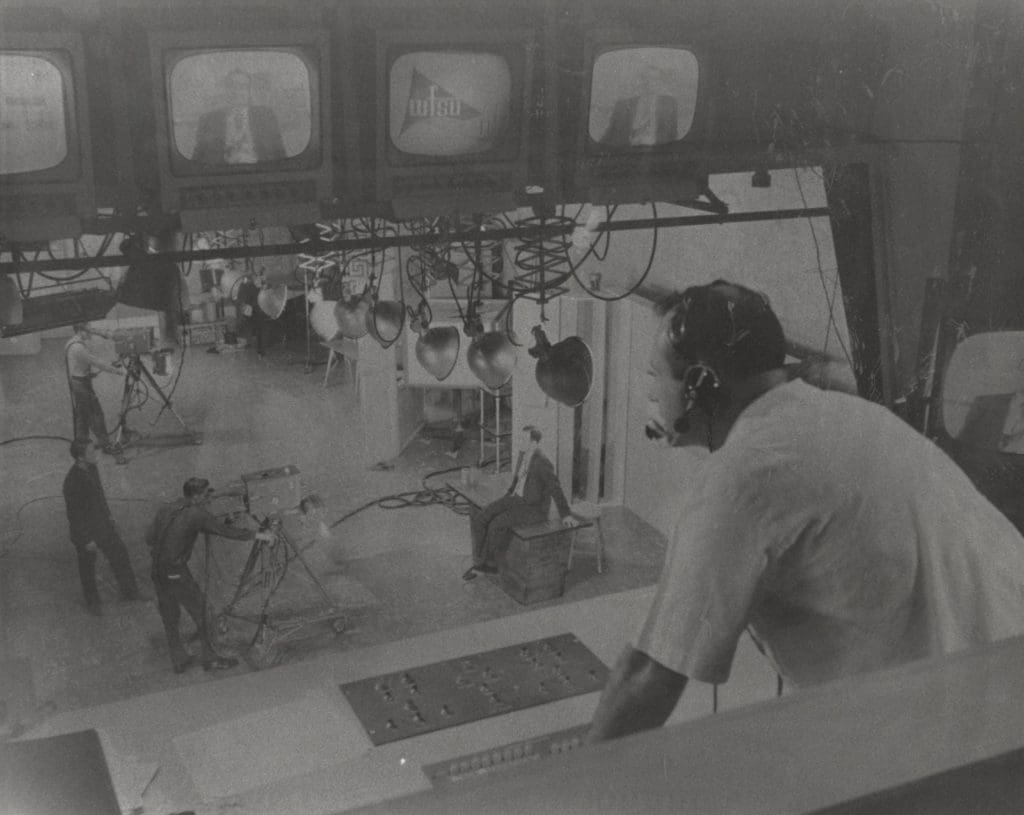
725 315
702 390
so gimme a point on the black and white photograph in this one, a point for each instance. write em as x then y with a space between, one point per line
478 407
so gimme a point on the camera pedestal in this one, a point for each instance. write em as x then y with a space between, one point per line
137 373
264 571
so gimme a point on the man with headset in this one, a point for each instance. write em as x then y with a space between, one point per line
842 538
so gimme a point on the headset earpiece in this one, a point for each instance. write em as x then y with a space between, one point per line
702 388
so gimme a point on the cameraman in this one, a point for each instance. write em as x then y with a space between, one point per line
171 538
82 366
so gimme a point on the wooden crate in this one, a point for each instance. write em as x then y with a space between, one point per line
203 333
527 592
535 565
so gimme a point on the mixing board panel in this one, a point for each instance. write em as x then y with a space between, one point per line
446 694
474 765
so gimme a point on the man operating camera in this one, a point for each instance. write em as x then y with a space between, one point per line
171 538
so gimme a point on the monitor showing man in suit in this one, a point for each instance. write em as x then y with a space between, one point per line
240 132
642 97
241 107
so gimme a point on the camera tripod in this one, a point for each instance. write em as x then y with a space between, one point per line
264 571
138 375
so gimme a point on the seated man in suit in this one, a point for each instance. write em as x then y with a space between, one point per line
527 502
648 119
240 132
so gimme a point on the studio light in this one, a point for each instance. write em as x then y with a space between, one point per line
565 370
230 281
322 318
272 300
437 350
150 281
384 321
492 358
351 316
437 347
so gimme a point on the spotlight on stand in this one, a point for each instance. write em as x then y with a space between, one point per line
492 358
437 348
351 314
565 370
385 320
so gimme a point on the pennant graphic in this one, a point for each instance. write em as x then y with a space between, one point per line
428 100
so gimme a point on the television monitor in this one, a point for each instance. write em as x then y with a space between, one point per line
243 130
642 124
452 104
46 178
452 130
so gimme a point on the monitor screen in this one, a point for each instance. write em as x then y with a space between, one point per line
33 118
237 107
642 96
449 103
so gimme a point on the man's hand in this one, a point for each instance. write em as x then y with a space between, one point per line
640 694
266 536
91 547
569 521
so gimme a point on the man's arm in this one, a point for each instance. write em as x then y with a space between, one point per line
640 695
269 134
83 353
209 522
96 362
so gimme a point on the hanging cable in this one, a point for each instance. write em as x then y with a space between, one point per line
829 298
544 259
639 282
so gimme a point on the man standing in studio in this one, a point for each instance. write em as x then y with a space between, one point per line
528 501
92 527
82 366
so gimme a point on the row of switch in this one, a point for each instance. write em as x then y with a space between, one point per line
489 760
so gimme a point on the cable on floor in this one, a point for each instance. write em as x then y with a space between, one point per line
20 530
33 438
427 497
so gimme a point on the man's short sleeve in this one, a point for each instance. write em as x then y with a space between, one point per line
714 565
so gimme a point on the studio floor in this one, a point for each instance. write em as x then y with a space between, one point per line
391 573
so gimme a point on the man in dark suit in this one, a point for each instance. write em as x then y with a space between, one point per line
645 120
528 501
240 132
92 527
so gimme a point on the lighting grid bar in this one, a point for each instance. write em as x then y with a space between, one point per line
389 241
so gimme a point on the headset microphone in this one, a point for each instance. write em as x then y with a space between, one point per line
654 431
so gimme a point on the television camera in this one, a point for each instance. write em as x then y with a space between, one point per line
272 498
131 345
